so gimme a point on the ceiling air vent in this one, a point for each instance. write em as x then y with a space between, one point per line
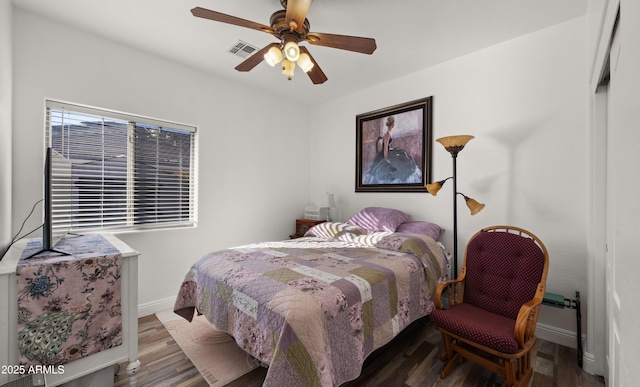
242 49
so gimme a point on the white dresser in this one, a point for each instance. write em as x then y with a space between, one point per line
128 351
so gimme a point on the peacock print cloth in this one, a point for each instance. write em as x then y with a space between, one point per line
68 305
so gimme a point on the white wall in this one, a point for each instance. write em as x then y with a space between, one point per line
252 184
5 122
525 103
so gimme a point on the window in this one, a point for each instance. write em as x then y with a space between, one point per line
128 172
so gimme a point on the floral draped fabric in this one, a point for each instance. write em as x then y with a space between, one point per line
68 305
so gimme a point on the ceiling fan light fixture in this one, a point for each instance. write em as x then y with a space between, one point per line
288 67
273 56
305 62
291 51
290 27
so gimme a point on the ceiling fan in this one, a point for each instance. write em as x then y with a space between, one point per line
291 27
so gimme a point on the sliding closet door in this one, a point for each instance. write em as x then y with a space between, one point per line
613 206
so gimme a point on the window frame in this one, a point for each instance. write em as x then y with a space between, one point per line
131 224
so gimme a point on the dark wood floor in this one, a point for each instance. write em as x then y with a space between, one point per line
412 359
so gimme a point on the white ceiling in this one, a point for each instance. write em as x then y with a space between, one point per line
410 34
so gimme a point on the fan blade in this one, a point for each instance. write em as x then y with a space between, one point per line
224 18
343 42
315 74
255 59
296 12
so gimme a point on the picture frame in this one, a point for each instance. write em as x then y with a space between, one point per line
393 148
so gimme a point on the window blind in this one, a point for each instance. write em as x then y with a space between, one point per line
128 172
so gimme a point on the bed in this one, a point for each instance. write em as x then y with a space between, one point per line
312 309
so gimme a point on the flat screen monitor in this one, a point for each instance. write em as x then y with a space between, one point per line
57 201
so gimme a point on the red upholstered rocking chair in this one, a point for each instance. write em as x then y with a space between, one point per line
492 307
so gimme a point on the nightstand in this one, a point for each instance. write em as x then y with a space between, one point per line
303 225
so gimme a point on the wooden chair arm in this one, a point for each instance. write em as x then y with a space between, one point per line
528 317
454 289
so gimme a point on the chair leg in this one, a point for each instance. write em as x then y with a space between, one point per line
446 348
525 371
455 360
510 378
444 356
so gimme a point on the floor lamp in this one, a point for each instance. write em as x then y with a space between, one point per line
453 145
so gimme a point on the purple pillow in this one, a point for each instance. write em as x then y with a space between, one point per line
417 227
379 219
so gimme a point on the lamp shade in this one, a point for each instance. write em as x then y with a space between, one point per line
433 188
331 200
454 144
273 56
473 205
291 51
288 67
305 62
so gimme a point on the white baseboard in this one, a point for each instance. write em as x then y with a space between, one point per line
155 306
557 335
589 364
568 339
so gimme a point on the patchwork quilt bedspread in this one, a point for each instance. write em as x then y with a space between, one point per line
312 309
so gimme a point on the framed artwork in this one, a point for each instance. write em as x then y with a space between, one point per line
393 148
